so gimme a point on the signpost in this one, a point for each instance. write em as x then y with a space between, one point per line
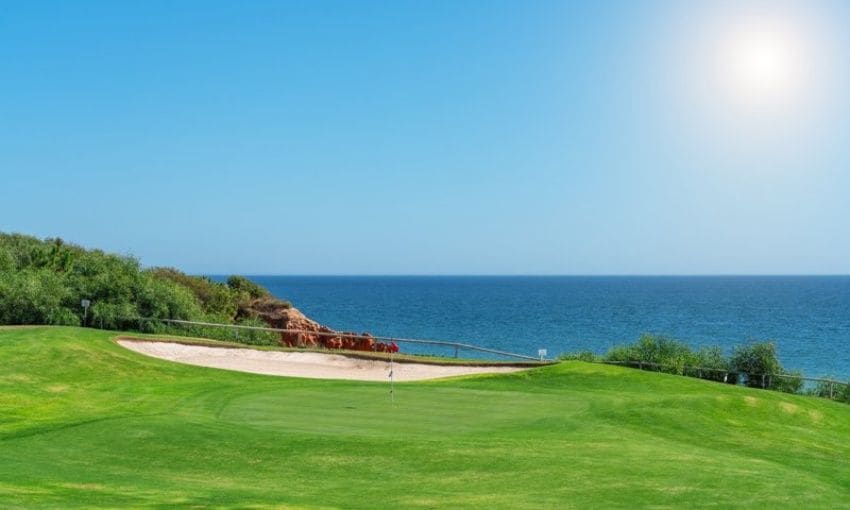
85 303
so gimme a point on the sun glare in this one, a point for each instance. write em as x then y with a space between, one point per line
760 66
753 69
757 77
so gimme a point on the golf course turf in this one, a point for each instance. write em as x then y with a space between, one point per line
86 423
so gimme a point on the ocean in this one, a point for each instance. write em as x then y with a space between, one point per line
807 316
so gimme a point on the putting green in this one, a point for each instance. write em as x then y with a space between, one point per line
85 423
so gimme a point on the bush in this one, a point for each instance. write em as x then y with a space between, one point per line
246 287
63 317
756 362
670 355
835 390
822 389
619 353
842 394
34 297
586 356
244 336
164 299
254 337
116 316
43 282
7 261
713 359
215 298
792 382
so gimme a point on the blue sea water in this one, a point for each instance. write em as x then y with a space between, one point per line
807 317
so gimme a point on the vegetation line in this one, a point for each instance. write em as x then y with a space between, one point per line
44 282
755 365
641 364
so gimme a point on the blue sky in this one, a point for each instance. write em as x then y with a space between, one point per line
428 137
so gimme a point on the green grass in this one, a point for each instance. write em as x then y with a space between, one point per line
85 423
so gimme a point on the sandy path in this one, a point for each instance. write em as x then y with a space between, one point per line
300 364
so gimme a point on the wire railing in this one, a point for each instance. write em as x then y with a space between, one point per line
457 346
830 386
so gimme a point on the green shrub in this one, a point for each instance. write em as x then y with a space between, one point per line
669 355
835 390
43 282
619 353
63 317
33 297
165 299
215 298
254 337
756 362
842 393
7 261
116 316
716 363
245 336
586 356
824 389
246 287
791 382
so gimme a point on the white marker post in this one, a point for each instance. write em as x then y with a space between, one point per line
542 353
85 303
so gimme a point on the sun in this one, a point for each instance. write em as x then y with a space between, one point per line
761 65
751 73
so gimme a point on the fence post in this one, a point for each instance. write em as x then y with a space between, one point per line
455 351
831 387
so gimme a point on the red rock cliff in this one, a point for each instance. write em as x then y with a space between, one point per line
309 334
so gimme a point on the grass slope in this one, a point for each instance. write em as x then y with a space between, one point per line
85 423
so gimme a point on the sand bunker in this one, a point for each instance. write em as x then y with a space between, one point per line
301 364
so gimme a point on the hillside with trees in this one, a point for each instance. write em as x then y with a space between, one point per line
45 281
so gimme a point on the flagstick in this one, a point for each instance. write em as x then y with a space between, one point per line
392 381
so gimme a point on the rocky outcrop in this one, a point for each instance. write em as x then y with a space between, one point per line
307 333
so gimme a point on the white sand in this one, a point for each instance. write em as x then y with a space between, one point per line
301 364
